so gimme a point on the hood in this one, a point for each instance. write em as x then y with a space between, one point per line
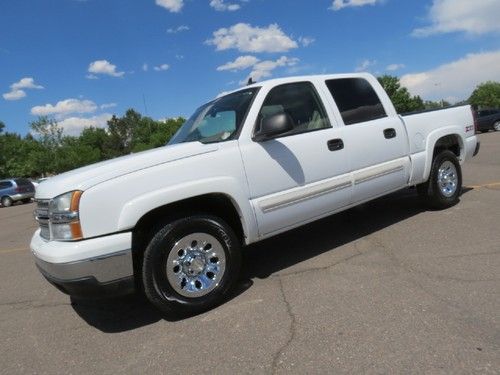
86 177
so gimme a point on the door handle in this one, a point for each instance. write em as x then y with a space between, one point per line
390 133
335 144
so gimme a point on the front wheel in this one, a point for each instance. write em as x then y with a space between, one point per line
191 264
445 182
496 126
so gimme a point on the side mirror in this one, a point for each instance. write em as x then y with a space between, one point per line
274 125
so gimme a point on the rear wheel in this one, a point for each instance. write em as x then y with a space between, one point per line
191 264
496 126
7 201
445 182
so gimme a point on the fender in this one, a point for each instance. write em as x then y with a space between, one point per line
432 139
136 208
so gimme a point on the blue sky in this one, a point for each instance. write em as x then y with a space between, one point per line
80 61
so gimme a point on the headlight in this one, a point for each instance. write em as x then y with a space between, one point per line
64 217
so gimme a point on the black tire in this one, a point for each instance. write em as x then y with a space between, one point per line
7 201
158 288
484 131
496 126
430 191
27 200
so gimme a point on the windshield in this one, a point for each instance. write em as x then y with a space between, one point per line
218 120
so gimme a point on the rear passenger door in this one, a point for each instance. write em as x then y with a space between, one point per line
377 142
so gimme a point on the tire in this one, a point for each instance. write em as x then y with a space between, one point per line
496 126
190 265
27 200
7 201
484 131
444 186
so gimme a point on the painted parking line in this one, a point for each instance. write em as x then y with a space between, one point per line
15 250
488 185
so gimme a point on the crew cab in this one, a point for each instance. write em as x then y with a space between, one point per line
248 165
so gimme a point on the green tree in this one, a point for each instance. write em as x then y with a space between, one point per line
400 96
2 126
429 104
486 95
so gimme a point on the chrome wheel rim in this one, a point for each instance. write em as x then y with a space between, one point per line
447 178
196 264
497 126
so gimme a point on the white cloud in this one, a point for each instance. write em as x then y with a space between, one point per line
365 65
456 79
306 41
17 89
471 17
178 29
65 107
75 125
221 6
145 67
161 67
246 38
107 105
173 6
242 62
25 83
14 95
393 67
263 69
103 67
341 4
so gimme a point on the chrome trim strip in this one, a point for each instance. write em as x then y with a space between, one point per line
104 268
379 174
291 198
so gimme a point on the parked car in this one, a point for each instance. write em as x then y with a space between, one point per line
488 119
16 189
246 166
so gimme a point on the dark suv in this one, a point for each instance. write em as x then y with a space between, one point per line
488 119
16 189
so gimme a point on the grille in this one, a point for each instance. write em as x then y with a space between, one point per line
42 217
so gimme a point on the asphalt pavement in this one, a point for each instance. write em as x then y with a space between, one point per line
385 288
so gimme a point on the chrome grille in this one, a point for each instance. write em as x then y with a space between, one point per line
42 217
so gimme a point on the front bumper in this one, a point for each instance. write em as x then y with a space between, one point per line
90 268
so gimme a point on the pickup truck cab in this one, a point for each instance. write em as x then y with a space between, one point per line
248 165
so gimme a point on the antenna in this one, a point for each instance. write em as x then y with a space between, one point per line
250 81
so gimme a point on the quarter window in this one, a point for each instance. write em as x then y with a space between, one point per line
356 100
5 184
301 102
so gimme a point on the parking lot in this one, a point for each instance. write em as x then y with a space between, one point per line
387 287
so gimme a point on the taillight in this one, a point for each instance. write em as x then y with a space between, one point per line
17 189
474 116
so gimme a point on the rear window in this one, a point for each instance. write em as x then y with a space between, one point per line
356 99
22 182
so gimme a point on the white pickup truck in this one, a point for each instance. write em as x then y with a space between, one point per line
248 165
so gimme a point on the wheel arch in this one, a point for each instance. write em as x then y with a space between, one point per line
445 139
216 204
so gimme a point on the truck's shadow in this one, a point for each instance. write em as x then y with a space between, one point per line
267 257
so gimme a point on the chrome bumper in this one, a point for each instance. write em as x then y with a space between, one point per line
104 268
97 267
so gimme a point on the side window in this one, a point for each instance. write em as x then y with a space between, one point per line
301 102
356 99
5 185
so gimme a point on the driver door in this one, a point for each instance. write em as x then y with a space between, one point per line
303 174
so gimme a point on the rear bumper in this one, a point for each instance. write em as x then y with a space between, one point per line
70 267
